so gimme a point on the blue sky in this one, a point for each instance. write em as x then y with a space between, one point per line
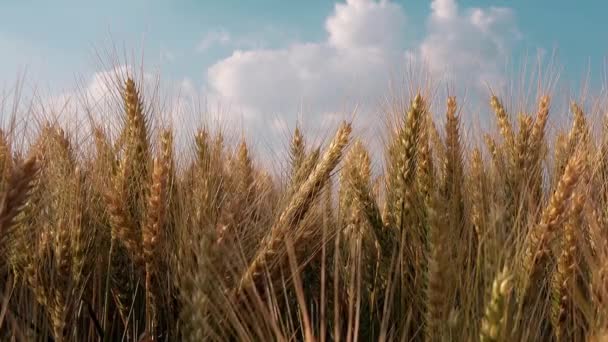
269 57
53 38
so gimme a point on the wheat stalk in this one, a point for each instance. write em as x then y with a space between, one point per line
298 205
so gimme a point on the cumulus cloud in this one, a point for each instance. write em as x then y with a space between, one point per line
364 23
97 97
264 90
215 37
365 48
444 9
468 46
352 66
167 55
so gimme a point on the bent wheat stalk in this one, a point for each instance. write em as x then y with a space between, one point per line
299 204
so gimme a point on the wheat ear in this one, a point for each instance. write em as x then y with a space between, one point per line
494 318
19 185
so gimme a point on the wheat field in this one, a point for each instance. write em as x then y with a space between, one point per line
115 237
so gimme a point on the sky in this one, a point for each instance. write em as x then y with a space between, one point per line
267 60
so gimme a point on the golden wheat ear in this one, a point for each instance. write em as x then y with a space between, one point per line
537 149
569 285
537 249
402 165
504 124
297 151
495 316
151 234
19 185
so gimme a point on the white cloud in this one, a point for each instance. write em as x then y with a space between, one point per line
222 38
167 55
97 98
264 90
444 9
363 23
175 103
351 66
365 48
468 46
215 37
